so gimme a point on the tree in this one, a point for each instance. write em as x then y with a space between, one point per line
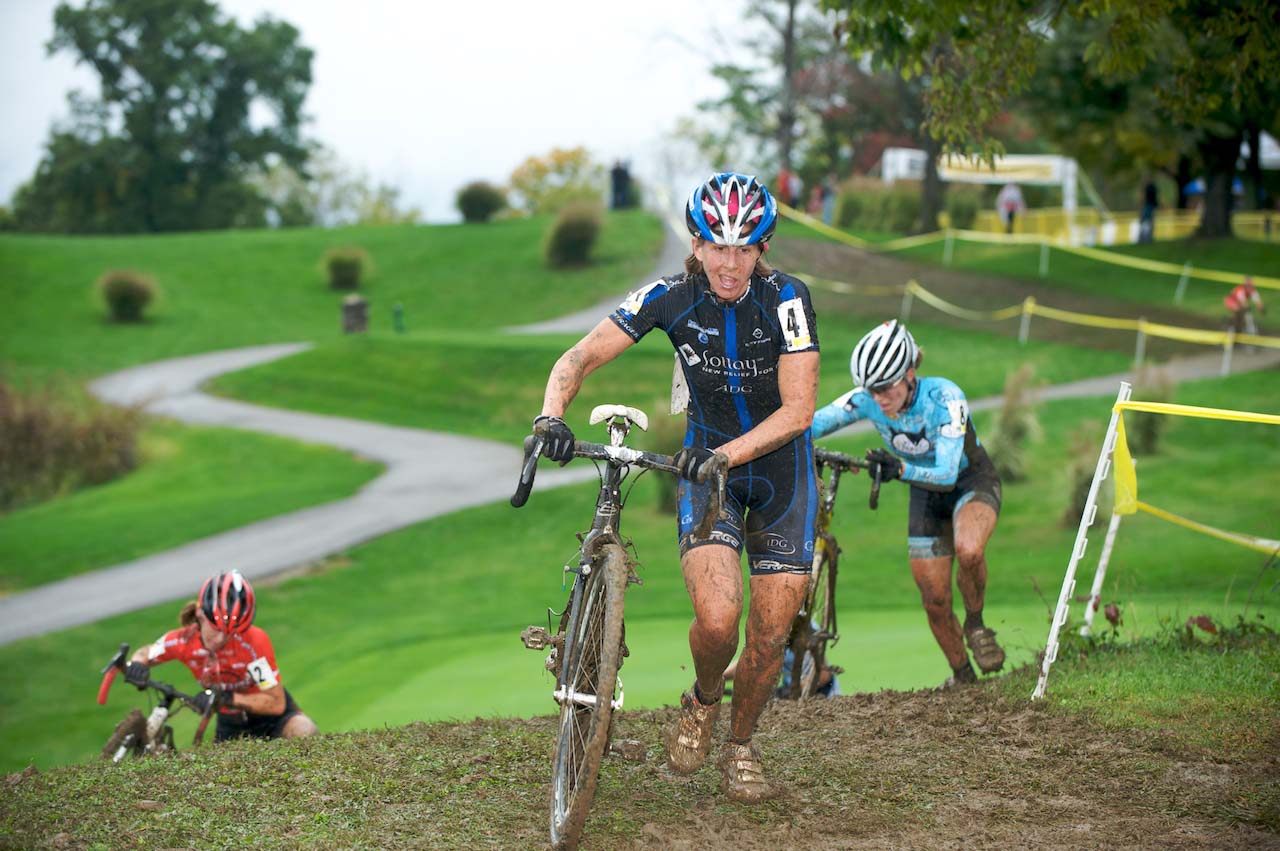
546 184
170 142
975 54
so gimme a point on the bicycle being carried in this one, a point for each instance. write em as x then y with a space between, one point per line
588 646
137 736
815 629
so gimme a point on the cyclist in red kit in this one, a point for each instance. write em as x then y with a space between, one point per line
232 658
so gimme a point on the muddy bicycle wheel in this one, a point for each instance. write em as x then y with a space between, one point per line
585 691
822 617
129 737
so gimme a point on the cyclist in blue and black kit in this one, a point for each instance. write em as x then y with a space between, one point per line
747 346
955 489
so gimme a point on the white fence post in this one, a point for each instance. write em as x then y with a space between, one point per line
1227 346
904 315
1044 259
1095 593
1024 330
1182 283
1140 350
1077 551
947 248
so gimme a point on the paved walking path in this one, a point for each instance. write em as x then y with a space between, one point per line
427 474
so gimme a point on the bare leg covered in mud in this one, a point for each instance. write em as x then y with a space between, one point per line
974 523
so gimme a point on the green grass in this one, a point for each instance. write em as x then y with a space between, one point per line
1082 274
414 624
192 482
493 387
238 288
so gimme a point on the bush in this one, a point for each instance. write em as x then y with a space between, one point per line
126 293
1015 426
574 234
346 266
479 201
1082 462
900 208
868 204
46 448
1142 430
963 203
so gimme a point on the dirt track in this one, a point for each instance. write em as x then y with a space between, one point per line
978 292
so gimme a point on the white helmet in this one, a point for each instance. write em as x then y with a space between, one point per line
883 356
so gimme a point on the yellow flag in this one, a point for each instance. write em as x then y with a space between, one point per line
1125 477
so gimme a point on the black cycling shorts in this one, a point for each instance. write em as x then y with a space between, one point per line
777 494
246 725
930 533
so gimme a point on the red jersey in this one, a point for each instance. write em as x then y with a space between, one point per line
245 664
1240 297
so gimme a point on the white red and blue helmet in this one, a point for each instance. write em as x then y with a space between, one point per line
731 209
883 356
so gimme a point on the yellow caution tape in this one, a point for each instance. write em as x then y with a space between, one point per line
1253 542
1084 318
1195 411
842 287
946 307
822 227
1126 481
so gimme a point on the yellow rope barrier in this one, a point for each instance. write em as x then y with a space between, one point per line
1194 411
1253 542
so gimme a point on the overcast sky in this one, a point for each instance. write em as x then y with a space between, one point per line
428 96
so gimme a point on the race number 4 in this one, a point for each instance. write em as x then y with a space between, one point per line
795 325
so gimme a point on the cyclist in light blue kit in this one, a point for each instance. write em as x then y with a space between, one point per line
955 489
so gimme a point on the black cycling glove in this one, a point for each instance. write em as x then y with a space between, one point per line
889 465
138 674
211 698
557 438
693 462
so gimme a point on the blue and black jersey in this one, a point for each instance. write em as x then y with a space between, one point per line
729 353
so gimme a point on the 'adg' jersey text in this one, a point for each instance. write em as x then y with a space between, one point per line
729 352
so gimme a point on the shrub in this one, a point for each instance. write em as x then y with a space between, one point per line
901 207
963 203
574 234
1082 462
346 266
1142 430
478 201
1015 425
47 448
126 293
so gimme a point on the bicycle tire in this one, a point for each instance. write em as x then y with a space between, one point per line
593 644
130 733
822 611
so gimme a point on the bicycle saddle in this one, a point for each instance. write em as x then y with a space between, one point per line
635 416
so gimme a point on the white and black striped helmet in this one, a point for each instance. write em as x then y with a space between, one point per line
883 356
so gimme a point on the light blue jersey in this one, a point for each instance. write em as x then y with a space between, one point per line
933 435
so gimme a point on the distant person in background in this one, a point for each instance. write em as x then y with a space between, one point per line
1009 205
1240 303
814 207
1147 220
785 183
828 199
231 658
620 185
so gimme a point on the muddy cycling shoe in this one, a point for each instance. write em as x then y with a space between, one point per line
689 741
982 643
742 770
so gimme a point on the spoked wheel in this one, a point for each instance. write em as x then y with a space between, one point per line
129 737
822 616
585 691
815 626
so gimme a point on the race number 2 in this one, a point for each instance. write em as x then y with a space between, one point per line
795 325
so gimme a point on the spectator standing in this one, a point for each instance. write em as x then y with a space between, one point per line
1147 221
1009 205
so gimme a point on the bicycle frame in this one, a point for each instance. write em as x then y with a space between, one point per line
588 648
156 734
